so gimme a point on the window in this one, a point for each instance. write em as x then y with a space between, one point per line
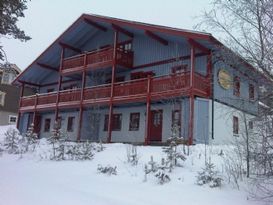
47 125
235 125
70 124
180 68
251 92
116 122
250 125
49 90
2 98
1 75
236 86
134 121
176 122
12 119
141 74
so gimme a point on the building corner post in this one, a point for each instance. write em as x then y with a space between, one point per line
192 84
114 64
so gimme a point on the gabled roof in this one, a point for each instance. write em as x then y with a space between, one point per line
85 27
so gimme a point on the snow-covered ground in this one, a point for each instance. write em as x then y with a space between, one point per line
31 180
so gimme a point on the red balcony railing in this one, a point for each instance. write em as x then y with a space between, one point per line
97 59
129 91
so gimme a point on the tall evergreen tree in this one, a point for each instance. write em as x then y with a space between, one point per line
10 11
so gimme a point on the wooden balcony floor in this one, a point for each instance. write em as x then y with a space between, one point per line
164 87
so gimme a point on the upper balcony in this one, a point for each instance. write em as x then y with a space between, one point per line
163 87
101 58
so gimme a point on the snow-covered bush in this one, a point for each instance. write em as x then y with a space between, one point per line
132 155
100 147
162 177
12 140
109 170
86 151
30 140
174 157
209 176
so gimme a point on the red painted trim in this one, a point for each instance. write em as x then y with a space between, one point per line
82 98
122 30
20 103
28 83
198 46
56 83
59 84
148 112
96 25
192 85
112 87
49 67
150 27
156 37
167 61
65 45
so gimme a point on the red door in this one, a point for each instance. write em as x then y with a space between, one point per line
156 125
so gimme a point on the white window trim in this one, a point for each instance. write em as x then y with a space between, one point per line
10 116
2 101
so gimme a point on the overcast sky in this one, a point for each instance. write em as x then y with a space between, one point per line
45 20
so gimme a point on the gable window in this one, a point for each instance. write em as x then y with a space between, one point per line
134 121
235 125
12 119
236 86
116 122
2 98
47 125
70 124
251 92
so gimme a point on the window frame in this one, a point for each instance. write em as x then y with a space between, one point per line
116 125
235 125
70 124
47 125
236 86
12 116
2 100
251 91
131 123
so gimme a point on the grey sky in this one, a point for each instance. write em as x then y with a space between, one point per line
45 20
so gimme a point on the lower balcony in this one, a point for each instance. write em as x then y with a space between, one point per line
161 88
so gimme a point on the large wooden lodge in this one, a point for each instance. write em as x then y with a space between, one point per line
145 78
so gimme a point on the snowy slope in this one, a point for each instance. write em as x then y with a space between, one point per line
32 181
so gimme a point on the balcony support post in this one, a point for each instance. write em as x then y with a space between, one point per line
59 84
192 83
20 104
112 87
82 98
209 73
148 111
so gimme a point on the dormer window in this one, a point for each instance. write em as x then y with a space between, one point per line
236 86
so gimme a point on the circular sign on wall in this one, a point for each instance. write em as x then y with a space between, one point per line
224 79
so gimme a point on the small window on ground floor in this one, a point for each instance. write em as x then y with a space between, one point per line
12 119
70 124
176 122
235 125
47 125
134 121
250 125
116 122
